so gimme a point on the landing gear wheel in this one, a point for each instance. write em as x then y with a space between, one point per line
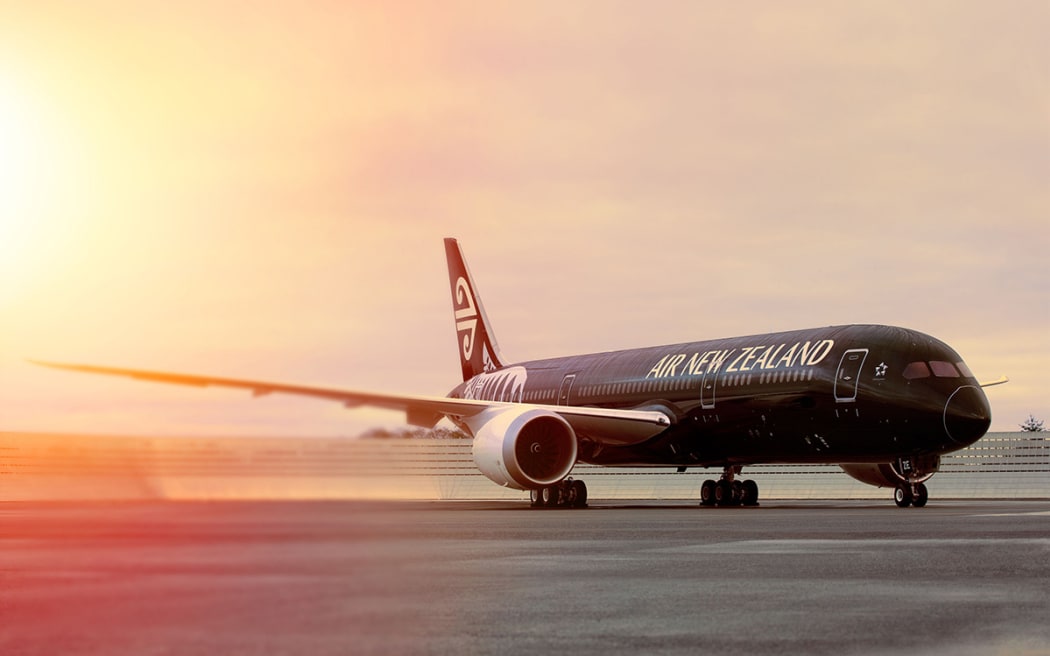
724 493
569 493
922 495
578 494
707 493
738 493
902 495
729 490
749 493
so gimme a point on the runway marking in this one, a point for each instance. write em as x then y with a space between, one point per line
828 546
1042 513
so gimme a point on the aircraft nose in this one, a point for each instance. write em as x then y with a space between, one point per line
967 415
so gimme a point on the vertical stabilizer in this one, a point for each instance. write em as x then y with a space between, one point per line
478 351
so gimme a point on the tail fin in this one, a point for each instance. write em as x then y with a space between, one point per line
478 351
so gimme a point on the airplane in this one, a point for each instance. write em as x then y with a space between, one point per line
882 402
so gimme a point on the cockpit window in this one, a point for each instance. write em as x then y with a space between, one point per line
964 369
944 369
916 370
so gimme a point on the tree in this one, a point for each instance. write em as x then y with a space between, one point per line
1032 425
414 433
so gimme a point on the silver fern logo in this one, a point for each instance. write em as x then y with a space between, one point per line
506 385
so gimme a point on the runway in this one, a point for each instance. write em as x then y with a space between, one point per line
856 577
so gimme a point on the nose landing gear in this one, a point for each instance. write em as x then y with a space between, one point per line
910 494
912 474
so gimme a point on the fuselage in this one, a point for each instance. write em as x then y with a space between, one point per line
841 394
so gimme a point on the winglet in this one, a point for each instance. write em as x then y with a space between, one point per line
155 376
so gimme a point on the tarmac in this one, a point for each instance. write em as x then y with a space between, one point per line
787 577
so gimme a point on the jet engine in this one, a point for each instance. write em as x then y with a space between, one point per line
524 449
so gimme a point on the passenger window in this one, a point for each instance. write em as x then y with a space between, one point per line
916 370
944 369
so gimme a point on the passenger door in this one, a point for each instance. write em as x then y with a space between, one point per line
566 389
847 376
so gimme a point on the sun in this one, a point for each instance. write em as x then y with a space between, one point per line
34 170
20 150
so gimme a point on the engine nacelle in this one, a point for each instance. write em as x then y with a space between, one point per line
523 449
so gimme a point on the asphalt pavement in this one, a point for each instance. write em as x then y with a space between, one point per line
857 577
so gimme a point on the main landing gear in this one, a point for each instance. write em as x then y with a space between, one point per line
569 493
728 491
910 494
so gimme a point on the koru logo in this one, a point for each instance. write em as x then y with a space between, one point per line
466 317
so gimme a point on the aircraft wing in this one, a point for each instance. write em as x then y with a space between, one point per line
606 425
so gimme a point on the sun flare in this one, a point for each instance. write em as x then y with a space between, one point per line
35 163
20 148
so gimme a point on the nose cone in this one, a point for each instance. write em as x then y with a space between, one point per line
967 415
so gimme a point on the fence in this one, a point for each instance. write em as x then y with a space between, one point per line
71 467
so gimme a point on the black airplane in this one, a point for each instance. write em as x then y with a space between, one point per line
881 402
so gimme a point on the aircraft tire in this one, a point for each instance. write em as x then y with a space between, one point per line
578 494
707 493
922 495
902 495
749 493
536 498
723 493
551 496
568 494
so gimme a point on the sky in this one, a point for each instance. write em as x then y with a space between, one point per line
260 190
